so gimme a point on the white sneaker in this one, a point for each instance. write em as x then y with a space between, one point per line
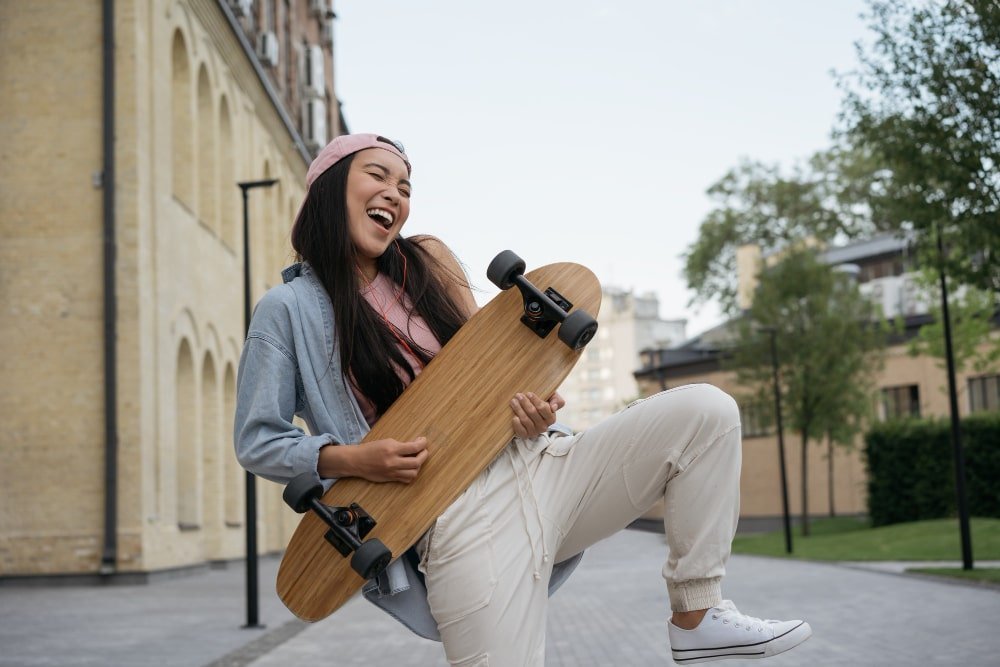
726 633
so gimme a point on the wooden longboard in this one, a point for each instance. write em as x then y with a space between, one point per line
461 403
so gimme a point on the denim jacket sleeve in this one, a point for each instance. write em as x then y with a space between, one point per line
268 443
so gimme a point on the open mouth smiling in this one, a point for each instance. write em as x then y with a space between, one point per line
381 217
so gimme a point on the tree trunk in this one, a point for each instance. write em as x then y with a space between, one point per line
829 472
805 485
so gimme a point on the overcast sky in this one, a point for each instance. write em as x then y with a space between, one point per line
589 130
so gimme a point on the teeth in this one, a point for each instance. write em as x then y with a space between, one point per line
386 216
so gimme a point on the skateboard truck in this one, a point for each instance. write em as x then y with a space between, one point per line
348 526
542 310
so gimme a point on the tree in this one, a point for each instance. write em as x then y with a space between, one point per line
923 114
757 204
830 339
972 312
926 106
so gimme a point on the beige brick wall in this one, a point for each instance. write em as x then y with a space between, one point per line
50 287
178 276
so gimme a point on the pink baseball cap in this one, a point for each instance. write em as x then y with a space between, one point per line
346 144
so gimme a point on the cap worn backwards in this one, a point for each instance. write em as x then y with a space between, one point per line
346 144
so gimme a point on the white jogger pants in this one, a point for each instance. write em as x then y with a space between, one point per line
488 558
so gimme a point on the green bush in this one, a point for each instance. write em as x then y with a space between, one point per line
981 442
911 469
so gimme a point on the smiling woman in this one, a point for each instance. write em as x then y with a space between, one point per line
358 319
378 204
358 202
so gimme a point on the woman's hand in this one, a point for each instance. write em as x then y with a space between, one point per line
532 415
377 461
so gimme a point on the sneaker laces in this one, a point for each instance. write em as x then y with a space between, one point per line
727 612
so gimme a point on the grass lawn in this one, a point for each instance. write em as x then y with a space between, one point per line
852 539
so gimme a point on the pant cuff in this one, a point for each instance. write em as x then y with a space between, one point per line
695 594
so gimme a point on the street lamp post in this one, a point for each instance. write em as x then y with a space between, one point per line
252 589
956 431
781 438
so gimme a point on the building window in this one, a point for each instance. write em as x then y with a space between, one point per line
984 393
270 17
882 268
900 402
288 81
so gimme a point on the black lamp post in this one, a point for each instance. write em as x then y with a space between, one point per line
781 438
252 590
956 431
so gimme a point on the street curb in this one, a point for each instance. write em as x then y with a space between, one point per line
261 646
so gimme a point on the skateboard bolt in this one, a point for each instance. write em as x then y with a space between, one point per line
533 310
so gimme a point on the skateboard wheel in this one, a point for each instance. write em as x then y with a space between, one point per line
371 558
299 492
577 329
504 268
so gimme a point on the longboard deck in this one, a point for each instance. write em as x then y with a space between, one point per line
460 402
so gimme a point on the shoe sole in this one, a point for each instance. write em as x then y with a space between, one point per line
774 646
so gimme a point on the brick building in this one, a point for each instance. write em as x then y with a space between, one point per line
205 93
906 386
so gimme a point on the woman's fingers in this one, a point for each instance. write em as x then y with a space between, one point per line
532 416
392 460
410 456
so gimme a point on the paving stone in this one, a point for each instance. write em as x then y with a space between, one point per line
611 612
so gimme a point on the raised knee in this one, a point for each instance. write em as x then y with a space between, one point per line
715 404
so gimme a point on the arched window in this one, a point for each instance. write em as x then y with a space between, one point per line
233 472
277 228
181 131
207 179
186 434
227 177
262 217
211 445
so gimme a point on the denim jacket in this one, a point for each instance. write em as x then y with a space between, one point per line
290 367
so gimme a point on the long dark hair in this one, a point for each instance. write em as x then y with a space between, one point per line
321 237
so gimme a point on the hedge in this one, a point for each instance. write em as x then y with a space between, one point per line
911 469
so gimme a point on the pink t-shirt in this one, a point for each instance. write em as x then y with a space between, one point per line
388 298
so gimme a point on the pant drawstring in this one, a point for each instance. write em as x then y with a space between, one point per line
524 510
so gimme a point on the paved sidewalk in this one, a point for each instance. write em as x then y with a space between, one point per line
612 612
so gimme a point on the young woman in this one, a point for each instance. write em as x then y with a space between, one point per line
358 318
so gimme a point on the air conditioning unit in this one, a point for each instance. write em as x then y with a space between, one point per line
241 7
321 8
315 72
267 49
314 123
327 31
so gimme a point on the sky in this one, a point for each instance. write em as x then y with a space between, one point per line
589 130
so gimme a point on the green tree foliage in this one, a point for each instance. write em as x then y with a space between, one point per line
756 203
922 130
972 311
830 343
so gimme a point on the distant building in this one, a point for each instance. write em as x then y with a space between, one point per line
602 381
908 386
206 93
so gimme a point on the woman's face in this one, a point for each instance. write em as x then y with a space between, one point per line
378 203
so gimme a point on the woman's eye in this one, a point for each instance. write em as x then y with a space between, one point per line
405 192
376 175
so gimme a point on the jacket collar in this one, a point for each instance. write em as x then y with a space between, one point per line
294 271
